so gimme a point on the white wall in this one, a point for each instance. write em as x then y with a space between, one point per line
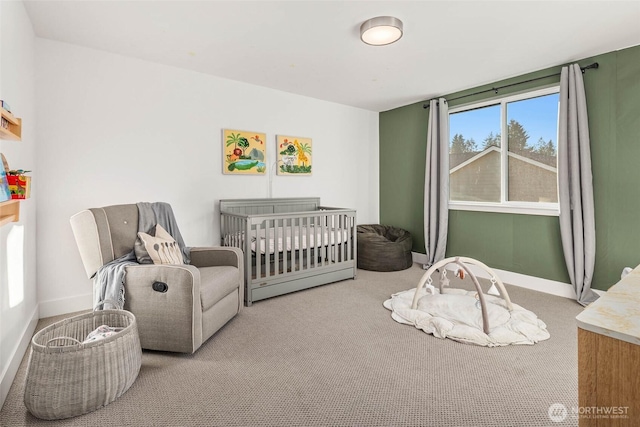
18 300
118 130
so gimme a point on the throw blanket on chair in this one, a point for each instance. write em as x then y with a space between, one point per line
150 214
108 283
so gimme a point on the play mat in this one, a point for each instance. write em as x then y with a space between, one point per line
471 317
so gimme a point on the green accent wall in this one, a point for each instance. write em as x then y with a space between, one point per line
530 244
402 164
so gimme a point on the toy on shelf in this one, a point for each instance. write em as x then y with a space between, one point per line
19 184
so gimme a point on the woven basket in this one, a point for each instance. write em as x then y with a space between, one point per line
66 378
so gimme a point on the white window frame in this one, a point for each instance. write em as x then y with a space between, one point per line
505 206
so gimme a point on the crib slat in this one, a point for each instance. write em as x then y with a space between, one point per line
276 247
235 226
339 238
238 233
345 237
246 247
307 249
341 253
348 238
305 225
300 244
231 231
336 247
267 248
277 251
258 253
328 242
315 242
319 243
323 230
309 238
332 238
292 252
223 230
285 253
336 238
294 235
235 230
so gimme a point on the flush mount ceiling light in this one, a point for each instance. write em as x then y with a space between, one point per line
381 30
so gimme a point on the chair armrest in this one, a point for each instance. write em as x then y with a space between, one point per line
217 256
171 320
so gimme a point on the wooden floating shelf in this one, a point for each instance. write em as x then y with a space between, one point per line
9 211
15 126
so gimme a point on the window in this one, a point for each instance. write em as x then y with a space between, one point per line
503 154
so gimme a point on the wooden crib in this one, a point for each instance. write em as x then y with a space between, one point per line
293 244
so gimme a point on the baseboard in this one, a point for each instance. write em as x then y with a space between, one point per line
65 305
18 353
516 279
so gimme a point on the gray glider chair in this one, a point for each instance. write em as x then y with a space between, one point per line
200 298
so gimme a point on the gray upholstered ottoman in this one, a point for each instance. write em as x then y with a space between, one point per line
383 248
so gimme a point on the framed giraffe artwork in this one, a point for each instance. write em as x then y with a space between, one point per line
294 155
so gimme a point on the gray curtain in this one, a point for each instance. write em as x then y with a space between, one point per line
575 188
436 182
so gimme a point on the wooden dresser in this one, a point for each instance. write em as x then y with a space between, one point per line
609 357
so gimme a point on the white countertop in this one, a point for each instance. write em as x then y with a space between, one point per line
617 313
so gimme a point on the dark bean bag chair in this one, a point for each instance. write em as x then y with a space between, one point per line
383 248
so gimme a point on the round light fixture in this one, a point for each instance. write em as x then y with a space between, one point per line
381 30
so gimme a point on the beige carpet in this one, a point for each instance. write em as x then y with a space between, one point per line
332 356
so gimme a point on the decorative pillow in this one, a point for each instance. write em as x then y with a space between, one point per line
158 249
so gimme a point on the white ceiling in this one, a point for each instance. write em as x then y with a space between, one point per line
313 48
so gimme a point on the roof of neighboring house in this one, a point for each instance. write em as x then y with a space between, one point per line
458 161
471 157
457 158
541 158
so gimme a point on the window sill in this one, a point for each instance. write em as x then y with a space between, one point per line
544 209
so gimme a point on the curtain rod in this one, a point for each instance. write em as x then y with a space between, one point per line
496 89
